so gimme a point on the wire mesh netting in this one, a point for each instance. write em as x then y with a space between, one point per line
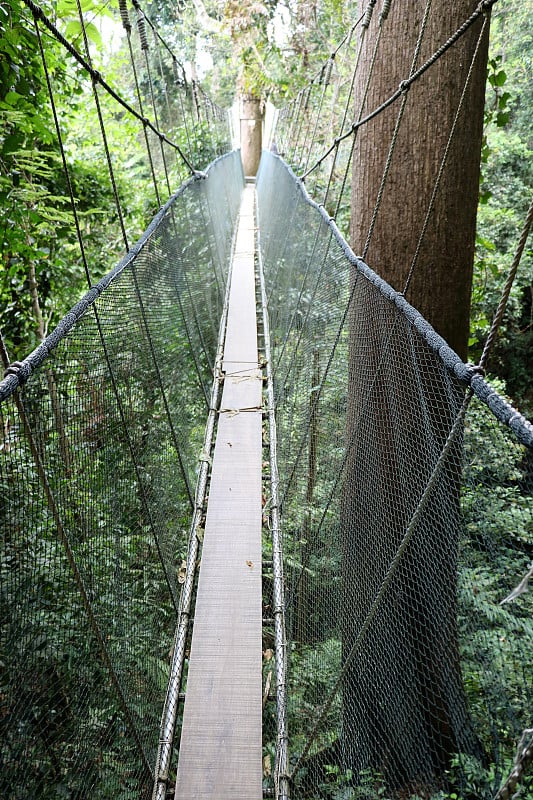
407 520
99 448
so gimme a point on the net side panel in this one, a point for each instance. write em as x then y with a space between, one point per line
98 458
405 524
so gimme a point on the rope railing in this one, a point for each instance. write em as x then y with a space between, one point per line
97 458
399 500
386 497
98 466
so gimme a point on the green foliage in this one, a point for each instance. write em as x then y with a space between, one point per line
38 246
505 194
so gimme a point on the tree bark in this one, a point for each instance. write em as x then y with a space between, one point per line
251 116
404 710
441 285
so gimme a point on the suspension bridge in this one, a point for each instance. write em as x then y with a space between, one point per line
307 596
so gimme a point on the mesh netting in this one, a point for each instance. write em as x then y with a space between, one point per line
98 457
407 519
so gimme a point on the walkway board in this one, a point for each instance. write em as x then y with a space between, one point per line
220 750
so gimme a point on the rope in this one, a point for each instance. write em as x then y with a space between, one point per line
97 79
127 27
145 47
122 415
500 311
78 578
343 123
523 760
444 158
483 7
454 434
396 132
103 133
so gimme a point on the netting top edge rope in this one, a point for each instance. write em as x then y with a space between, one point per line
19 372
469 374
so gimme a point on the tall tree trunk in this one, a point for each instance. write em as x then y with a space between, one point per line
405 712
441 284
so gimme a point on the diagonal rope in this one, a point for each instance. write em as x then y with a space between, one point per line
444 157
500 311
78 578
453 436
127 27
97 79
143 38
483 7
396 132
103 341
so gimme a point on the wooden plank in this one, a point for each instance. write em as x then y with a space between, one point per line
221 748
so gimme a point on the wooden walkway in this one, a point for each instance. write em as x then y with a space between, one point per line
220 750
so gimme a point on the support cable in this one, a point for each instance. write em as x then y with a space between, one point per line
141 27
97 79
78 578
103 133
122 414
453 436
444 158
324 82
396 132
523 759
136 285
502 305
343 122
176 65
127 27
483 7
365 26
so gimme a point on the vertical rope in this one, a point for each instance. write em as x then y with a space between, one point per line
116 393
444 159
103 133
453 436
143 38
127 27
502 305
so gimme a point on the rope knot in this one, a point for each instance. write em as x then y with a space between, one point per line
368 14
141 25
385 11
404 87
125 17
13 369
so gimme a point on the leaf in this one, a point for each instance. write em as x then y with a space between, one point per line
12 98
94 34
502 118
500 78
74 31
